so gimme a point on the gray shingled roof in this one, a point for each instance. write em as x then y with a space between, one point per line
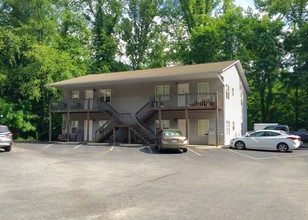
196 71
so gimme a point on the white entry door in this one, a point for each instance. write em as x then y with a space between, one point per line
182 126
85 134
183 88
88 98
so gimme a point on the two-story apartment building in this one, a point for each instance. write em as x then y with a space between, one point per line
206 101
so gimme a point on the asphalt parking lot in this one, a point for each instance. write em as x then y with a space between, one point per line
52 181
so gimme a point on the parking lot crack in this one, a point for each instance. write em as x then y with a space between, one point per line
156 179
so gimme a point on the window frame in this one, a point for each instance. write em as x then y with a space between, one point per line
75 94
163 91
104 96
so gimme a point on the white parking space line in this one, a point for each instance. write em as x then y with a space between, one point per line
48 145
150 149
242 154
78 146
194 152
269 157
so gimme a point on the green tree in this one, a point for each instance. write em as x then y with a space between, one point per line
264 68
140 30
31 55
294 14
197 13
103 16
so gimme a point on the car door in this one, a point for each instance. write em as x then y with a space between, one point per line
273 140
256 140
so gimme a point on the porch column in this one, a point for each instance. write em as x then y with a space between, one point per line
88 126
114 135
217 126
159 113
50 127
186 115
129 136
68 127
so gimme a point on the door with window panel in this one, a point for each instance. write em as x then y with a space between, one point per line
88 102
105 95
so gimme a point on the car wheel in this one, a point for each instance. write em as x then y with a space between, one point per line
240 145
184 150
8 148
282 147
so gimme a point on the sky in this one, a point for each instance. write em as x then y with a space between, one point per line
245 3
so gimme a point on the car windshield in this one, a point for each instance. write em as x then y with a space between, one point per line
172 133
3 129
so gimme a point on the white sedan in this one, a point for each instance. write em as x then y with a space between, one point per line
267 140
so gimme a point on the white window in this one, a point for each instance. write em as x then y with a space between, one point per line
227 91
105 95
203 90
203 87
228 127
163 91
75 94
233 126
74 126
232 92
203 127
164 124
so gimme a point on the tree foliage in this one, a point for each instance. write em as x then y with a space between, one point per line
43 41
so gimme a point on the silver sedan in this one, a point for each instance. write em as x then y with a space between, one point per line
5 138
267 140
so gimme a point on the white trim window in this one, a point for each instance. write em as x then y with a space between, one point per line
227 91
228 127
74 126
203 90
203 127
164 123
104 95
75 94
163 91
203 87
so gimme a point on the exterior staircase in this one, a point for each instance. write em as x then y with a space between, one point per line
136 124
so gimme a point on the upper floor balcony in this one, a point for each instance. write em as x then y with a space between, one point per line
205 101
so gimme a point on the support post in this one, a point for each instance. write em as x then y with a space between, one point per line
159 113
217 126
186 115
114 135
129 136
68 127
50 127
88 125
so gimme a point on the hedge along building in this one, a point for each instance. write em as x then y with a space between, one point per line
206 101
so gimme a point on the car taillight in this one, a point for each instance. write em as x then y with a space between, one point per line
163 140
8 134
185 141
294 138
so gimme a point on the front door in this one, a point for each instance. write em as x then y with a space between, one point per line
85 135
88 102
183 88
